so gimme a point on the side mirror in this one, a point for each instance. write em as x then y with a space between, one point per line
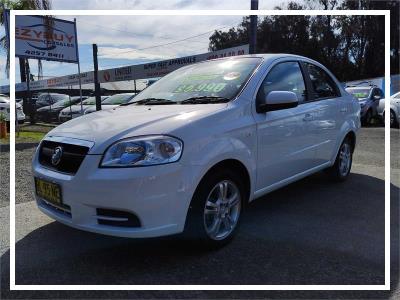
277 100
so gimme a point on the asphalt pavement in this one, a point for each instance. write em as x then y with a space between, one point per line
310 232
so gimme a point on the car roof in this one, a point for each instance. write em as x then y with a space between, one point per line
269 56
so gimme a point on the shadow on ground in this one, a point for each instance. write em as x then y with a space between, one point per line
311 232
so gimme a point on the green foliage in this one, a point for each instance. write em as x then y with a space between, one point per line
2 117
352 47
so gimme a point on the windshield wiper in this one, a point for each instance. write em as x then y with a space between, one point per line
151 101
204 100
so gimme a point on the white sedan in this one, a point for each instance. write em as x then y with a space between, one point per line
196 147
394 109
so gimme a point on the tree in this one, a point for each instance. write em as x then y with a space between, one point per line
352 47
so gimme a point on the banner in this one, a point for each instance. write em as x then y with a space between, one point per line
142 71
44 38
161 68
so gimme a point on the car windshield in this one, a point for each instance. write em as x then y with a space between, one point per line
218 79
58 98
118 99
360 94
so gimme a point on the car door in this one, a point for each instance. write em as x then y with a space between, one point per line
285 143
331 110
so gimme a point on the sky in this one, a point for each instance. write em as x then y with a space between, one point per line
132 40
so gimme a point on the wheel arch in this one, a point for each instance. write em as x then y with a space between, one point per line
352 136
232 164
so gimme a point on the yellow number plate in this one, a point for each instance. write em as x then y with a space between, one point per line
48 191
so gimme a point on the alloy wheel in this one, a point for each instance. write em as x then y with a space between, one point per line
222 210
344 159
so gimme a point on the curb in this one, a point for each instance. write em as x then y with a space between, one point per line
19 146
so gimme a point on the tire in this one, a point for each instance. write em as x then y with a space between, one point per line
344 159
214 213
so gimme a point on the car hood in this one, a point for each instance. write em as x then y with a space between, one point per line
107 126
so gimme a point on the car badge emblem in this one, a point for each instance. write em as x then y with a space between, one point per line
56 157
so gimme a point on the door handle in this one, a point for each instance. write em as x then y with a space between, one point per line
308 117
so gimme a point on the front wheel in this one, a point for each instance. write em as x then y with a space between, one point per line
216 207
344 159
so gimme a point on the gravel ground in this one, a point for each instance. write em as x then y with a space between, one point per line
23 185
309 232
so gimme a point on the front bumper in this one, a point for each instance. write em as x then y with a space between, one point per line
158 195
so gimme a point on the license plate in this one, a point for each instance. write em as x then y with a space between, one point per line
48 191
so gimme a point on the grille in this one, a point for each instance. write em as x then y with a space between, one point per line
71 159
118 218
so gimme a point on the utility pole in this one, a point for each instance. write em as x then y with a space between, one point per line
96 78
253 28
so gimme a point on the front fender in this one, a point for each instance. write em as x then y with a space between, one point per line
211 151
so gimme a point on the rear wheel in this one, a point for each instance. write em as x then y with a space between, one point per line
344 159
216 207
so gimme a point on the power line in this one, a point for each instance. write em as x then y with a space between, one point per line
173 42
123 31
135 33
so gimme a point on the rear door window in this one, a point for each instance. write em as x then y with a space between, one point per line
323 85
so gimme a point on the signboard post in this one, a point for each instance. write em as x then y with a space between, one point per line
79 68
6 21
96 78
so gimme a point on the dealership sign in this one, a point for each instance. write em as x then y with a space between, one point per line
45 38
142 71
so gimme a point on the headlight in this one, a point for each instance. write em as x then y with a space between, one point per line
143 151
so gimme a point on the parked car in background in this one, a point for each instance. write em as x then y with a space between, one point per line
196 147
368 97
46 99
394 110
50 113
112 102
74 111
5 109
